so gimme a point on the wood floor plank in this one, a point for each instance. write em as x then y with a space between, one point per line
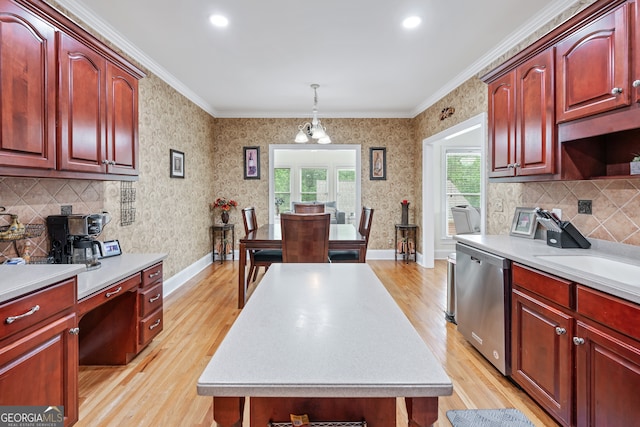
158 388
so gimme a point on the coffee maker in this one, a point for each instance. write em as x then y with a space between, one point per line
73 238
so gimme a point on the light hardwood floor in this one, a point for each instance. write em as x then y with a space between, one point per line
158 388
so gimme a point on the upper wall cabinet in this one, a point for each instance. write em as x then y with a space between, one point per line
521 120
28 87
593 68
568 106
96 92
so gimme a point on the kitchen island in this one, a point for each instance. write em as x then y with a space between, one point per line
326 340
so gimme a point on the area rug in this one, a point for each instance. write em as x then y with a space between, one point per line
508 417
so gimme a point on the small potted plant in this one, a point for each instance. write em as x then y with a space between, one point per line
278 202
634 165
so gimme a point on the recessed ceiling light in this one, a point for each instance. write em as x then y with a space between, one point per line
411 22
219 20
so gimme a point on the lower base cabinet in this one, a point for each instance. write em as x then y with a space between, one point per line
575 351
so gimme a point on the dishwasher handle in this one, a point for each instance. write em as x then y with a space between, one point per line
478 256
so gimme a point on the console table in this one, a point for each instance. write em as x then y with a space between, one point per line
220 235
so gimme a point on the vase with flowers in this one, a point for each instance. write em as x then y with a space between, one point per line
405 212
634 165
225 205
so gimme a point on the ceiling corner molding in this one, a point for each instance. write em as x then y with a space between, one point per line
105 30
531 26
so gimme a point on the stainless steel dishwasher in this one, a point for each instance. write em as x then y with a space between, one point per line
483 302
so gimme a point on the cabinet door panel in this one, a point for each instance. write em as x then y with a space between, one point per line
27 83
82 108
536 122
41 369
122 120
607 379
590 64
541 356
502 126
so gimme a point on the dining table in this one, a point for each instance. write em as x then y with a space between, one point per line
268 236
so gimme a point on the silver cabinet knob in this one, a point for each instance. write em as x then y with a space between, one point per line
636 83
74 331
516 165
560 331
616 91
578 341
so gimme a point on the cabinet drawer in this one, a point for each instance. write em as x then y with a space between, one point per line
150 326
150 299
114 291
622 316
26 311
553 288
151 275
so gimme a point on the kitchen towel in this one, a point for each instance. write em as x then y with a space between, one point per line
507 417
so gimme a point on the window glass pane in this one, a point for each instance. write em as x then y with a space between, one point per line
462 182
282 187
313 184
346 192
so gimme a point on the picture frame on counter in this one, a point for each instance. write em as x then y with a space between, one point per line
525 223
176 164
378 163
251 162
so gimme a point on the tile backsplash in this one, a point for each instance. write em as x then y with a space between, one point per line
34 199
615 206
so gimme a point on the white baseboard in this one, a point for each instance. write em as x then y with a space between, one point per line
182 277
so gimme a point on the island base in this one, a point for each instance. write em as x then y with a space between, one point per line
378 412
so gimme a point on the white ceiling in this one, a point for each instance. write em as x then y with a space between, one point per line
366 63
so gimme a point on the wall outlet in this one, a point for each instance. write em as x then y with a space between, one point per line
584 207
497 205
66 210
558 212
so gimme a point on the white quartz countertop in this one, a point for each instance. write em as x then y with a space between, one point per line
18 280
112 270
527 252
323 330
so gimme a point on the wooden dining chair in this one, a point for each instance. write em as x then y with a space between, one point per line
305 237
308 207
258 258
366 218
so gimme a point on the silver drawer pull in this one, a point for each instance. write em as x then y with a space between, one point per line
151 276
154 299
155 324
109 294
9 320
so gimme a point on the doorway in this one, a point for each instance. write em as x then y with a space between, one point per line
468 135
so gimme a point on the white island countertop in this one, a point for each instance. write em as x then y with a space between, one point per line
323 330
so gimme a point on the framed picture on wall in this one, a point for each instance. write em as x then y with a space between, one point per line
251 162
177 164
524 223
378 163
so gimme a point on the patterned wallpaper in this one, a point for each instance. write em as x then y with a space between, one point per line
384 196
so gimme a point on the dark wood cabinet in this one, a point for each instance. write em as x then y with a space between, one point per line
593 67
27 82
521 119
635 31
92 90
82 108
576 350
39 351
542 344
150 319
122 121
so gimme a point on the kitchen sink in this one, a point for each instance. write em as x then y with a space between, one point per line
606 267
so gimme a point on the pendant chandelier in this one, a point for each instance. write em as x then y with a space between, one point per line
315 130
